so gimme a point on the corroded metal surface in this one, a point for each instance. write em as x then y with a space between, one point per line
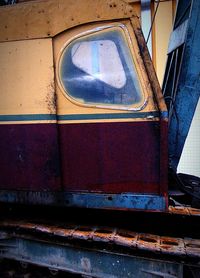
179 247
187 211
100 248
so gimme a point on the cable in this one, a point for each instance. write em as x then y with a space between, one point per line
153 19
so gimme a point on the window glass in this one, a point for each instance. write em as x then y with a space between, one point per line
98 69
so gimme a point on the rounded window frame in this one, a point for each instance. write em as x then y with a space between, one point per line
133 107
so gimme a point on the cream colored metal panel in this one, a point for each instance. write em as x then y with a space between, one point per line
26 77
39 19
163 28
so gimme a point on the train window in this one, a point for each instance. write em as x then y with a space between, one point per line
98 69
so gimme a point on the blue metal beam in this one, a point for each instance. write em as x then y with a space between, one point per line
87 200
182 88
91 262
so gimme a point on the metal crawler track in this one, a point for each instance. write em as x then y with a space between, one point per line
182 248
91 250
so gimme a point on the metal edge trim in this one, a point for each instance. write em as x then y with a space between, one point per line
70 117
87 200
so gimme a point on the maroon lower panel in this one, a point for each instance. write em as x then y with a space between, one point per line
97 157
29 157
111 157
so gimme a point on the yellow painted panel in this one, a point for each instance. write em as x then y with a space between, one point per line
163 28
137 7
26 77
40 19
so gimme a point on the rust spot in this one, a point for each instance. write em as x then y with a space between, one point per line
148 239
126 235
169 241
63 232
84 233
104 235
41 12
179 210
51 99
113 5
194 212
85 229
101 231
126 238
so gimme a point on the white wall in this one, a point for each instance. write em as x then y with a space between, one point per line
190 159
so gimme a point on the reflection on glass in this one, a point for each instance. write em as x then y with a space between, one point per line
98 69
101 60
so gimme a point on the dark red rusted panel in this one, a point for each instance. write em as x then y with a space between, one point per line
29 157
111 157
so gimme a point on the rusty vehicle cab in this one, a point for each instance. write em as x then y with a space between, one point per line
82 119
